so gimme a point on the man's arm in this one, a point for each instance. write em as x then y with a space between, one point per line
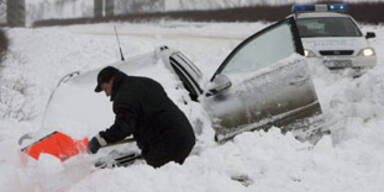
126 111
124 125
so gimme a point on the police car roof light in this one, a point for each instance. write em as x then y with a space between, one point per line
339 7
320 7
303 8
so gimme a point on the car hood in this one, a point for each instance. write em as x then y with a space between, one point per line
335 43
76 105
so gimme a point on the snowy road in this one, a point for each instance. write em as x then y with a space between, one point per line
352 159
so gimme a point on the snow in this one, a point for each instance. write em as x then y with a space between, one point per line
351 159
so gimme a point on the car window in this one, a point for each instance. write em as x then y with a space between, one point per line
328 27
187 77
190 65
261 50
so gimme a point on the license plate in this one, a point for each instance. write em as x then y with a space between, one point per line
338 63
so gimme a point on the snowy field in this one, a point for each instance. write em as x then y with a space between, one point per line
352 159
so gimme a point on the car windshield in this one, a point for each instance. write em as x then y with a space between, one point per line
328 27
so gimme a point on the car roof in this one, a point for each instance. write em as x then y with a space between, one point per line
319 14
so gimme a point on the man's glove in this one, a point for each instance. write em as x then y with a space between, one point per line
95 144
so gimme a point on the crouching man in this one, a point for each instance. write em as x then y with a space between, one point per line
143 109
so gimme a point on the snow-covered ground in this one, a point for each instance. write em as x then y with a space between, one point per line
352 159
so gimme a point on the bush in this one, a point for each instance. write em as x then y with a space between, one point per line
3 45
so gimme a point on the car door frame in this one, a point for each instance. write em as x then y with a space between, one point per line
297 41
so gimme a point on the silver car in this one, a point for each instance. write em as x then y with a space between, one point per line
263 82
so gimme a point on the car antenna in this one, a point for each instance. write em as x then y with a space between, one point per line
118 43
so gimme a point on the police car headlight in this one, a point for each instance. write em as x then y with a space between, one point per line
308 53
367 52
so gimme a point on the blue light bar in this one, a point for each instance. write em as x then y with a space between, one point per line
319 7
303 8
339 7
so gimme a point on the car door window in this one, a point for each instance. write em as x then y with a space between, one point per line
263 49
195 72
186 77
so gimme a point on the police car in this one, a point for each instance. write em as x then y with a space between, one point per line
333 36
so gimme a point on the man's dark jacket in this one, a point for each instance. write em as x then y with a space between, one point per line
160 128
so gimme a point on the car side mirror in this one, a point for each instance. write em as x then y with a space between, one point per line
220 83
370 35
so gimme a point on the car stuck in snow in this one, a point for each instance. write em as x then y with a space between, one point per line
263 82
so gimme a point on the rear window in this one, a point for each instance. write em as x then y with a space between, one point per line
328 27
192 69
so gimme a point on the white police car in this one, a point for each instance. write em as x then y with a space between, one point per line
334 37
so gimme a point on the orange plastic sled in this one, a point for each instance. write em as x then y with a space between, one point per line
57 144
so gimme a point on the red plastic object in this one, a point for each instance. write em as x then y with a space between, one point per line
57 144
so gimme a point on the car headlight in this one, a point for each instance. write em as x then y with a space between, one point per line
308 53
367 52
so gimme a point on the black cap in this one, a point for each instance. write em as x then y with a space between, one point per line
104 76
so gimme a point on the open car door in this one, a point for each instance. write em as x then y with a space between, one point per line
263 82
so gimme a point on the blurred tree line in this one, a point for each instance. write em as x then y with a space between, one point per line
58 12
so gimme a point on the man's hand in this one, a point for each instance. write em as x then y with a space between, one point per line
95 144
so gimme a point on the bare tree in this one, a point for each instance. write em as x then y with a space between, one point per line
98 8
109 7
3 15
16 13
3 45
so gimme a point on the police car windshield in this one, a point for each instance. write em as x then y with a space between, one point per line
328 27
